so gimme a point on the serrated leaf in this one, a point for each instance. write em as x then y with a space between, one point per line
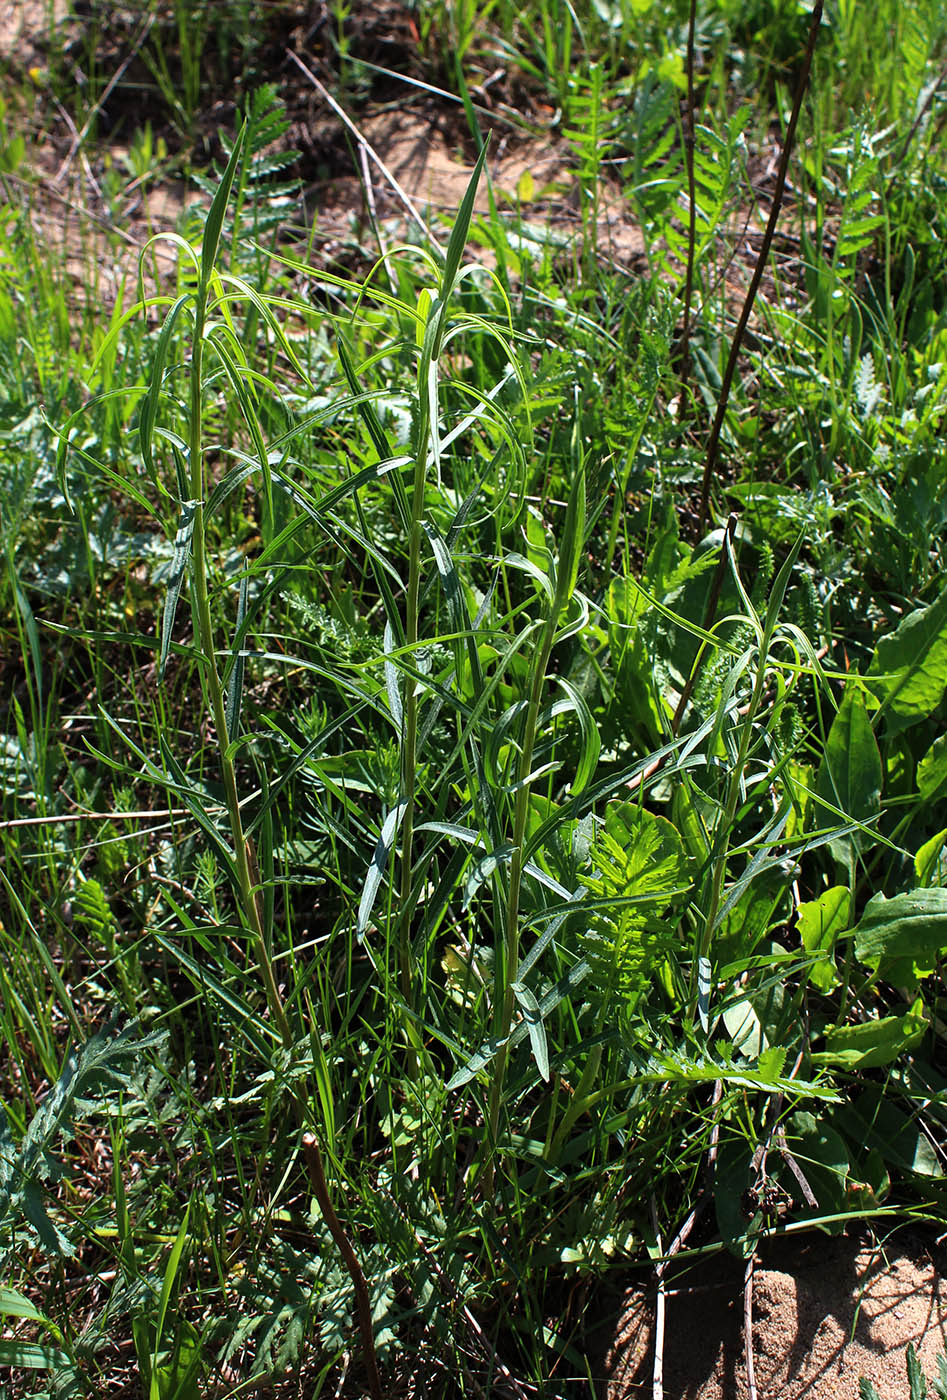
772 1062
916 1381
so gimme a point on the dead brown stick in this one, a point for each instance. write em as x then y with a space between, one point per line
916 124
158 814
713 442
363 1305
692 204
343 116
677 1244
79 136
372 211
657 1379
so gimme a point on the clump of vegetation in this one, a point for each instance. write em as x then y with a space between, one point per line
444 851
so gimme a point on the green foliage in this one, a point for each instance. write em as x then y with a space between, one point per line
917 1383
386 738
638 865
87 1080
260 198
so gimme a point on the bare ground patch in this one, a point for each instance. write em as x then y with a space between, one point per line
824 1314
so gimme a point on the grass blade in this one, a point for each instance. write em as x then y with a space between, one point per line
218 208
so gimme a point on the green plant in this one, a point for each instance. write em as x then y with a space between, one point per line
490 852
917 1385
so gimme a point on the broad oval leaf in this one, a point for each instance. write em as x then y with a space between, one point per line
932 772
908 671
820 923
873 1044
850 775
903 937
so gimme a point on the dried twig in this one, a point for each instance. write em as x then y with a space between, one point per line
79 136
751 1390
159 813
925 107
678 1243
363 1306
369 189
713 442
794 1167
657 1381
343 116
692 204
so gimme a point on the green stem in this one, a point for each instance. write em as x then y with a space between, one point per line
577 1104
726 826
511 941
213 686
409 747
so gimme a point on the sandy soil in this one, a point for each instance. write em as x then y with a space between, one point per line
824 1313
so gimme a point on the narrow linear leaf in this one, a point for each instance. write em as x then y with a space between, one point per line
532 1015
182 553
379 864
149 407
215 218
167 1286
458 237
31 1356
235 683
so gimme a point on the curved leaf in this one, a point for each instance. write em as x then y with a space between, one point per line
908 671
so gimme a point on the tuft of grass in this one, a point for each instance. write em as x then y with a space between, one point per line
424 851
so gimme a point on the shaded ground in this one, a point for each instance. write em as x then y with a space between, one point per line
825 1312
